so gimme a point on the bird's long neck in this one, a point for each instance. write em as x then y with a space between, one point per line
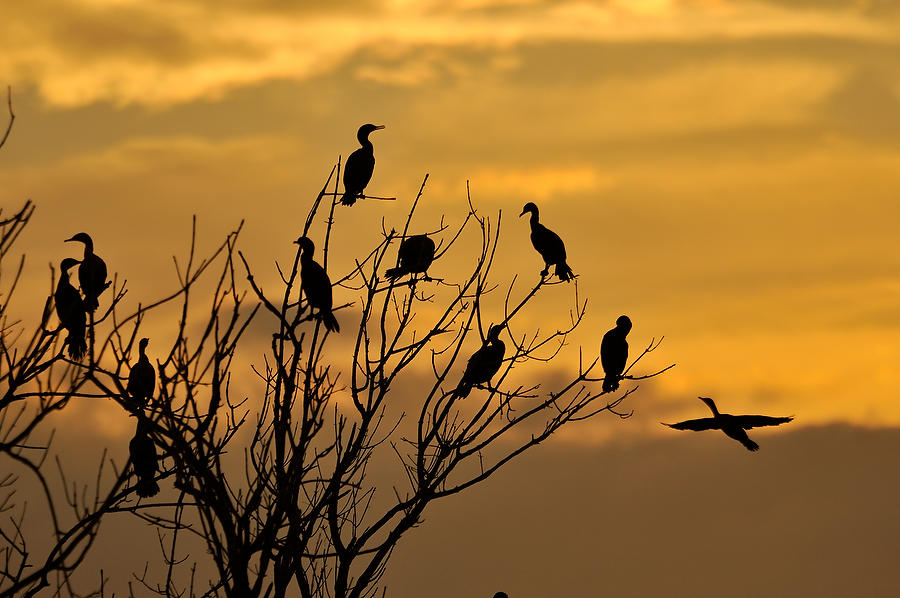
88 248
533 219
364 141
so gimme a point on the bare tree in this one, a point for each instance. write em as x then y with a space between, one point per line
285 487
50 521
307 516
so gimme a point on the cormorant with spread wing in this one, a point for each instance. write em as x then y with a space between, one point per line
614 353
142 378
315 284
548 244
144 459
91 272
734 426
360 166
416 254
484 363
70 310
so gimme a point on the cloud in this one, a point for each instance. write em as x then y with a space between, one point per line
539 183
158 54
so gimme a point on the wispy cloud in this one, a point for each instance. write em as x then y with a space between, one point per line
161 53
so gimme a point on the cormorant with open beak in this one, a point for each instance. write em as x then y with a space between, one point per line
614 353
416 254
360 166
548 244
734 426
142 378
70 310
91 272
484 363
315 284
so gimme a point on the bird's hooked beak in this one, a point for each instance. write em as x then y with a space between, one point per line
523 213
379 127
69 239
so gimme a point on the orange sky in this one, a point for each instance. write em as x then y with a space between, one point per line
723 171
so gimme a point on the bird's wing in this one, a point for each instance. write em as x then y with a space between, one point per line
549 245
316 285
613 353
756 421
358 170
696 425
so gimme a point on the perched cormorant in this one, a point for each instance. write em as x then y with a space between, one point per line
359 167
416 254
144 459
614 353
548 244
91 273
70 310
484 363
142 378
734 426
315 284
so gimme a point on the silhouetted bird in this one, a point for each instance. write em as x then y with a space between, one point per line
91 273
501 595
614 353
144 459
70 310
734 426
484 363
416 254
142 378
315 284
360 166
548 244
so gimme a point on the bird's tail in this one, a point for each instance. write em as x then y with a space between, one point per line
76 343
147 487
349 198
395 273
564 271
751 446
330 321
610 384
462 389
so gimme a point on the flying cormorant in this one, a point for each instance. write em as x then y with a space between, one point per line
548 244
70 310
315 284
91 273
614 353
359 167
416 254
734 426
144 459
142 378
484 363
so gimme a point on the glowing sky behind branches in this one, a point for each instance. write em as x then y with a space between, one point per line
726 172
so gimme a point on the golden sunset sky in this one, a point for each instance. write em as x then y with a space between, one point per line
725 172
